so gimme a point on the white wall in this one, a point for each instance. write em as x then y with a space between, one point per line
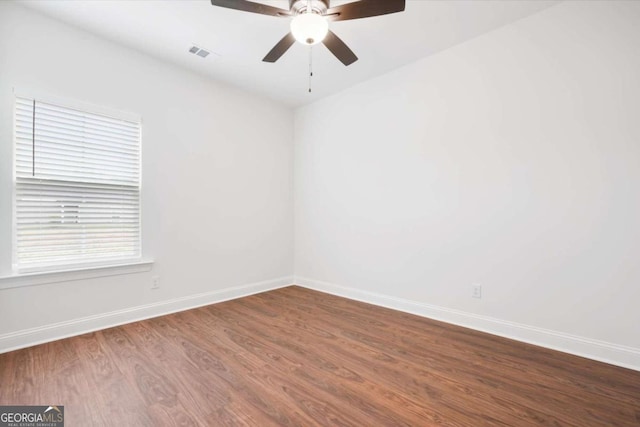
512 160
217 174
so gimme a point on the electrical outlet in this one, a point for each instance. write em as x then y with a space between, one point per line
155 282
477 291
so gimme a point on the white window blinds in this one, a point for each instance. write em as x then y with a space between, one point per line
77 195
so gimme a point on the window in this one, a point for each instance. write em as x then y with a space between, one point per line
77 187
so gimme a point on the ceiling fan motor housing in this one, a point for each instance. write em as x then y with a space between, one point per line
300 6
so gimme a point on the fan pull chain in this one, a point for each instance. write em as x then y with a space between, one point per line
310 66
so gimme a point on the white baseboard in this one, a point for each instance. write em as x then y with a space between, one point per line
627 357
29 337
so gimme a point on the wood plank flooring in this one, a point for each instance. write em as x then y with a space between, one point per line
295 357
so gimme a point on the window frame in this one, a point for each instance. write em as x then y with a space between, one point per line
97 265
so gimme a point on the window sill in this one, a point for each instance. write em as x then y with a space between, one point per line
41 278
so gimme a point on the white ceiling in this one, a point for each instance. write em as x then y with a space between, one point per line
166 30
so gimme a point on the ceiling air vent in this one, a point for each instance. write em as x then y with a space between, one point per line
203 53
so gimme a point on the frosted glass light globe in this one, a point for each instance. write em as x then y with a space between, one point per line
309 28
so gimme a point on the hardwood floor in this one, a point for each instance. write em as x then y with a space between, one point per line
295 357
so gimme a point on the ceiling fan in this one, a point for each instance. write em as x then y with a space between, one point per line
310 23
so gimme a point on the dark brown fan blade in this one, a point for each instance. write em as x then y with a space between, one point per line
339 49
249 6
364 9
280 48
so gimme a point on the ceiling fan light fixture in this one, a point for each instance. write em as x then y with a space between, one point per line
309 28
